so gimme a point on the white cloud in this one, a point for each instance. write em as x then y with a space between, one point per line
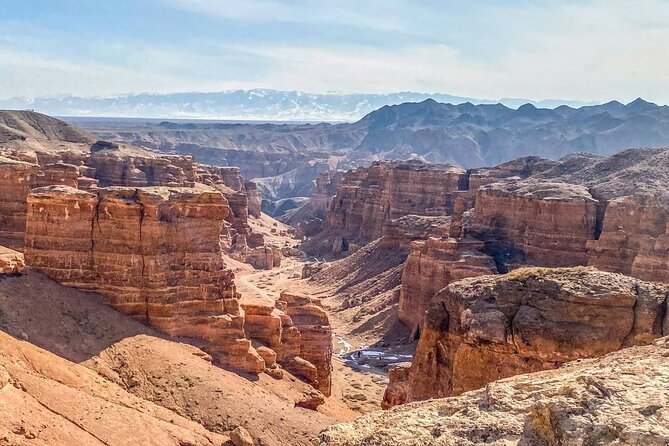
590 50
373 14
30 75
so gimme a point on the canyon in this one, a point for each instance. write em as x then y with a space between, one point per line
582 211
161 284
156 237
289 156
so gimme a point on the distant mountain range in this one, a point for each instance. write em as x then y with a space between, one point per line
258 105
466 134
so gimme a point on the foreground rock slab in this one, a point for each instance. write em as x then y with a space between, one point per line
481 329
621 398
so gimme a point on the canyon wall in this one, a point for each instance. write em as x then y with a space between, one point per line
370 196
486 328
547 223
17 178
611 213
111 164
634 239
431 265
153 253
434 262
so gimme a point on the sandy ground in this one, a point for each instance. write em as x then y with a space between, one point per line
82 334
360 388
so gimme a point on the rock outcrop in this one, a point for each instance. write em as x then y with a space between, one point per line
314 337
153 253
433 264
17 178
254 198
611 213
621 398
296 334
634 239
368 197
123 165
546 223
481 329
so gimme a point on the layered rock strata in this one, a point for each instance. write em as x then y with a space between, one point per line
17 178
307 316
634 239
296 333
606 212
434 262
491 327
111 164
621 398
547 223
153 253
370 196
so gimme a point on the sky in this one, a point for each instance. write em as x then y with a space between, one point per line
589 50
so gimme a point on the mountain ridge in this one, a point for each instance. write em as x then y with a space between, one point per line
254 104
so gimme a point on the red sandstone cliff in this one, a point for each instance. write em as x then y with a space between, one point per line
17 178
154 253
548 223
611 213
370 196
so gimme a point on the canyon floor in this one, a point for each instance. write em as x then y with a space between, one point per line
361 356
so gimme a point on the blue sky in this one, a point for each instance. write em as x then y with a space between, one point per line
587 50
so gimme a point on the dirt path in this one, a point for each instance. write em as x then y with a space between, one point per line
246 284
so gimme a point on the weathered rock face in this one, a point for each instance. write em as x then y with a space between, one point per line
11 261
325 188
296 334
118 165
16 180
510 171
309 219
433 264
491 327
153 253
545 223
254 198
621 398
634 239
606 212
307 335
370 196
111 164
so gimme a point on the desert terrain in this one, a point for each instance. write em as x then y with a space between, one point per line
146 298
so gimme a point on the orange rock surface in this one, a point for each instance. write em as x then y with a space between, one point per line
154 253
370 196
